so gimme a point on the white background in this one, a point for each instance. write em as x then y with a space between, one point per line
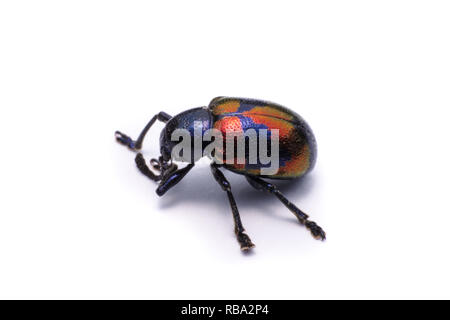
77 220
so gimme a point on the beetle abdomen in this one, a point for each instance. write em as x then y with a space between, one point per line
297 146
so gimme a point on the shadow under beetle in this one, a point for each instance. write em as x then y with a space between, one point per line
297 150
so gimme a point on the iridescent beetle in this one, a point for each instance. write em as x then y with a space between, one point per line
297 150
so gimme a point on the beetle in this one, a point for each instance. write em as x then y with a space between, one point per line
297 151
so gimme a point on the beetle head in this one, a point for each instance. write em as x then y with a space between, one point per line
192 122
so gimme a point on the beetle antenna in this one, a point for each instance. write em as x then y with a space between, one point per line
144 169
155 164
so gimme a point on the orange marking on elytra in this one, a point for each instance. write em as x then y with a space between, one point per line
226 107
297 165
270 112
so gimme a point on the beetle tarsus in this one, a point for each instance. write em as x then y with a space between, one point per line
125 140
260 184
315 230
244 241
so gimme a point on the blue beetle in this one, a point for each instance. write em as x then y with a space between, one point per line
297 150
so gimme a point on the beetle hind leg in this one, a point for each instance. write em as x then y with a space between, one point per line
243 239
316 231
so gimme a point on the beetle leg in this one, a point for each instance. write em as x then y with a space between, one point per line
171 179
260 184
242 237
137 145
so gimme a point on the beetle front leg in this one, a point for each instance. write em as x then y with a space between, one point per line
171 179
137 145
243 239
260 184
